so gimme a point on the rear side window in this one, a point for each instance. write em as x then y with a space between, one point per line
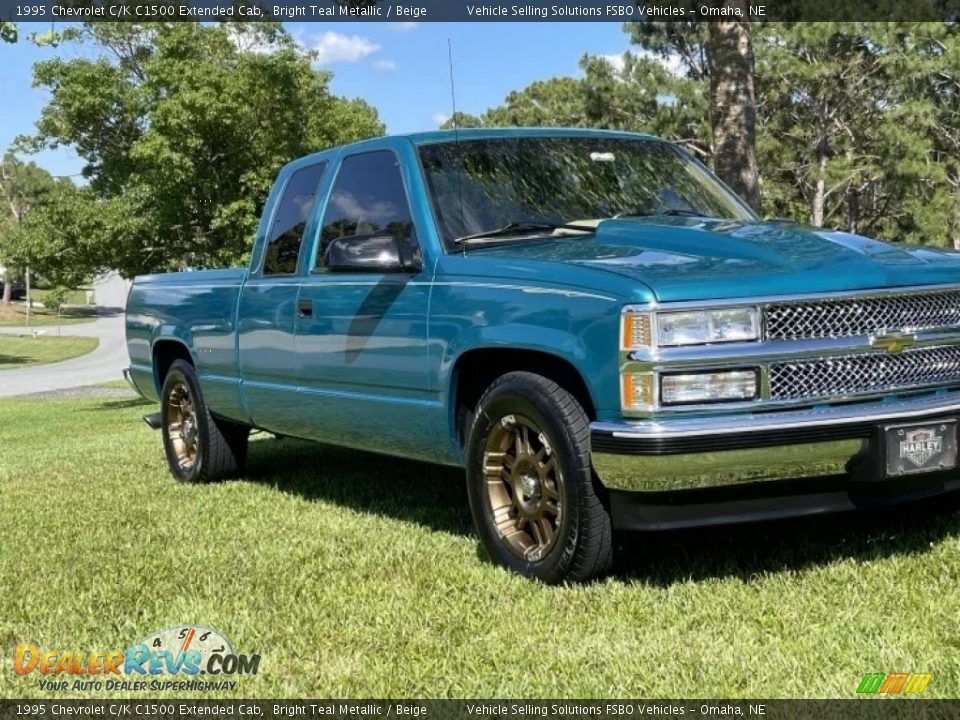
286 233
367 199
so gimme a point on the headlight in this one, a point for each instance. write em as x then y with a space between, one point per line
708 387
700 327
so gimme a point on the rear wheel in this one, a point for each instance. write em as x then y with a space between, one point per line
198 446
530 482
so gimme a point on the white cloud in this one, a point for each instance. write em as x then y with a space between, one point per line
334 47
403 26
251 40
616 59
384 65
672 63
439 118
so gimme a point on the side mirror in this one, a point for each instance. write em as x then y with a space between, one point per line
374 254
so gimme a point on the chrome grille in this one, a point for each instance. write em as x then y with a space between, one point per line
858 374
861 316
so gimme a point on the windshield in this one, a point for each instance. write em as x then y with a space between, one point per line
488 185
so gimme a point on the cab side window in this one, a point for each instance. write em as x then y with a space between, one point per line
368 199
286 234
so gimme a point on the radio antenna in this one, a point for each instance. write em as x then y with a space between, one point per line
456 133
453 92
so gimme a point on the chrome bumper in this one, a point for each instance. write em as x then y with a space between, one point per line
691 453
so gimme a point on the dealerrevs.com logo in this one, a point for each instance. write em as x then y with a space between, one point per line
183 658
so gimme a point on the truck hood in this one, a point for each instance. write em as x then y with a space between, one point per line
698 259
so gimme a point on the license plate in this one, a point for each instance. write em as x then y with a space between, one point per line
922 448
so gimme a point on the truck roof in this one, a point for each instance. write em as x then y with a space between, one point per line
438 136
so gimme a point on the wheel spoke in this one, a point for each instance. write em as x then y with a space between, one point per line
523 486
537 530
182 429
546 529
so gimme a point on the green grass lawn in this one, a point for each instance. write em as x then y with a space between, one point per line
19 351
355 576
16 315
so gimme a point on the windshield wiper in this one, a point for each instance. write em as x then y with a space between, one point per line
524 226
668 211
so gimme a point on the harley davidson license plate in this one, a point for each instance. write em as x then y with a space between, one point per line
921 448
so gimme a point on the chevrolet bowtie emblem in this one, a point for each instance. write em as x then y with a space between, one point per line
893 342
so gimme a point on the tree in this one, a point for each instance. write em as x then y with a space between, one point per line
183 128
75 234
639 95
720 54
858 124
24 188
730 59
848 127
8 32
938 79
461 120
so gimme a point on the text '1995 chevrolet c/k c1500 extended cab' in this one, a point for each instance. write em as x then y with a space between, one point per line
589 322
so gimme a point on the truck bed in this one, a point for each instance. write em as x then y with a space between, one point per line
198 308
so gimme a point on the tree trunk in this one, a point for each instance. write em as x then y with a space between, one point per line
820 187
730 55
7 292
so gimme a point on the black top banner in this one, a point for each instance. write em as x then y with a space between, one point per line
329 11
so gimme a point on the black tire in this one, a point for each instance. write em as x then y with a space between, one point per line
217 448
580 546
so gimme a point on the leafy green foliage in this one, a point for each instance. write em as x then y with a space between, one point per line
858 124
640 95
849 126
55 298
8 32
183 128
24 190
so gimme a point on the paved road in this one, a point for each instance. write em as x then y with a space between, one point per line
105 363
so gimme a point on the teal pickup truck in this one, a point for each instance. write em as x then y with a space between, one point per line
589 322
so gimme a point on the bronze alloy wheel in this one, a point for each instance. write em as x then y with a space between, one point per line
524 487
182 427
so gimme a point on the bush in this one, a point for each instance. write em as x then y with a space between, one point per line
55 298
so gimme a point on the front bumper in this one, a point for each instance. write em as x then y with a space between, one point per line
684 472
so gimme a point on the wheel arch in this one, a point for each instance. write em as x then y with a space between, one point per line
475 369
165 351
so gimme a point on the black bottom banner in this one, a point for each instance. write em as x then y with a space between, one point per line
141 709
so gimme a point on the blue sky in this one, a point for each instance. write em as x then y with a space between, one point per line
400 68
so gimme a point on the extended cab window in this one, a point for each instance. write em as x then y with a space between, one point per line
286 234
368 199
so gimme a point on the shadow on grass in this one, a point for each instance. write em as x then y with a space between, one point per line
125 403
429 495
747 550
6 360
435 497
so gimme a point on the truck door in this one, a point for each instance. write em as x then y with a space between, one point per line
361 337
267 355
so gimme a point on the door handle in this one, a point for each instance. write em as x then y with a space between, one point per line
304 308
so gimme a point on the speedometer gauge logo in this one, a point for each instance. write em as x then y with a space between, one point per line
191 650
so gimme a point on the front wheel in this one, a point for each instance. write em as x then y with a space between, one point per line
530 482
198 446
